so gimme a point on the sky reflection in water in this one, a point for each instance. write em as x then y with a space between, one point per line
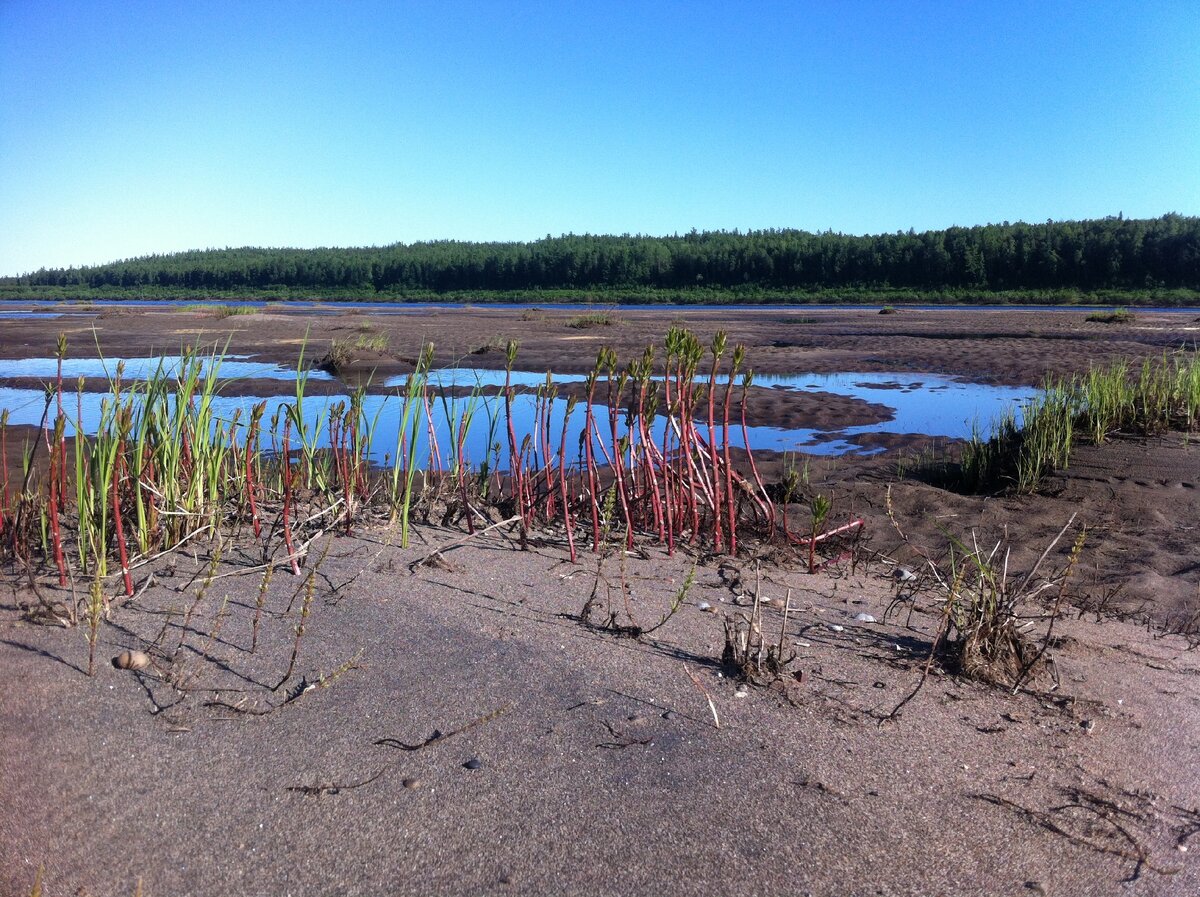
922 404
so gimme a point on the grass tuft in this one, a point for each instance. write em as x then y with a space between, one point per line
592 319
1116 316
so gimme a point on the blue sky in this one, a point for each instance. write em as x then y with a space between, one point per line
129 128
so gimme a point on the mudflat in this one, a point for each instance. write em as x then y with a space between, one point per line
484 716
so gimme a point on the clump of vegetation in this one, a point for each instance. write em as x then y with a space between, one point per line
493 344
221 311
592 319
1116 316
374 342
888 310
983 607
342 352
1160 395
751 653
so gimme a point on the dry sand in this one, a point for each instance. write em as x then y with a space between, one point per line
603 771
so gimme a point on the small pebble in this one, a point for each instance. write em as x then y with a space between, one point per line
740 693
473 763
836 628
411 784
865 618
131 660
705 607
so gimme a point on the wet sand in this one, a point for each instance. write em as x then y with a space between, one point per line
1005 346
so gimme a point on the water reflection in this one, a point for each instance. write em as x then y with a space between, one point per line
921 404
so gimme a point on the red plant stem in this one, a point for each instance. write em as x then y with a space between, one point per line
618 458
435 452
62 444
287 495
829 534
655 465
562 483
730 504
700 447
120 529
668 498
712 454
514 472
545 404
342 459
591 466
648 451
4 472
186 459
688 439
767 502
250 439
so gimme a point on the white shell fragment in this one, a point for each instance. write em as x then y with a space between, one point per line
836 628
865 618
903 574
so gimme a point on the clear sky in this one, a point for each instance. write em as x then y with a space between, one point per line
129 128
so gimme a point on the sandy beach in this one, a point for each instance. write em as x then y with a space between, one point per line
456 722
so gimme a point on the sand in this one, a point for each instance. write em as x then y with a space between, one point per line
600 769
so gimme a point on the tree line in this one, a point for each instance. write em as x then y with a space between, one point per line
1092 255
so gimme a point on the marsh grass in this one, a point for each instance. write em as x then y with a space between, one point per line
1116 316
221 311
1160 395
342 352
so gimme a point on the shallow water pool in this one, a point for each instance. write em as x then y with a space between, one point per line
926 404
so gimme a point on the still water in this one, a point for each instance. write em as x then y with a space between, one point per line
925 404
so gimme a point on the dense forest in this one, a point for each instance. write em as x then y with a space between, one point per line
1159 256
